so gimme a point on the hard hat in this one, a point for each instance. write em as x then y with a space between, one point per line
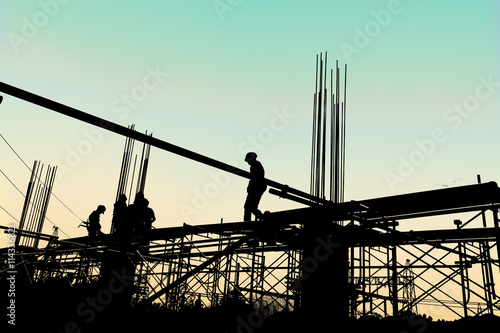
250 156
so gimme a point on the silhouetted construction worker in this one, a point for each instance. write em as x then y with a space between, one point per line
139 198
198 305
135 213
119 214
148 215
94 225
256 187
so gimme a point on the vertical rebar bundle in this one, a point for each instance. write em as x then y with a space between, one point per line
143 168
125 181
36 203
328 142
125 167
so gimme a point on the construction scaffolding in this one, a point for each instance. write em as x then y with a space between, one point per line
220 263
263 263
439 263
333 260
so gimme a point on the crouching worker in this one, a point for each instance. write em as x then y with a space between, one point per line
93 224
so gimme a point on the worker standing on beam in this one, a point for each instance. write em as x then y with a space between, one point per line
256 187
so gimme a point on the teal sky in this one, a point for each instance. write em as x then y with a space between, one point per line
224 72
223 75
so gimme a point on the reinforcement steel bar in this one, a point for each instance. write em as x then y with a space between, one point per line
328 140
115 128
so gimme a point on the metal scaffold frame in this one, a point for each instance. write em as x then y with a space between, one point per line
259 263
170 255
449 267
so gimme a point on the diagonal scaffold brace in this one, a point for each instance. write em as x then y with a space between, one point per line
230 248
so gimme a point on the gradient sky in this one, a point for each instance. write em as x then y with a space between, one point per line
222 76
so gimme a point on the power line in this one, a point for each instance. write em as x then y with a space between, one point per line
52 193
38 180
17 188
30 203
9 214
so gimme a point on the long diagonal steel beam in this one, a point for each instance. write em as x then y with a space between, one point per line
118 129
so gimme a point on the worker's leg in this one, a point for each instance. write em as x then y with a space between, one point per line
258 214
256 211
247 216
250 206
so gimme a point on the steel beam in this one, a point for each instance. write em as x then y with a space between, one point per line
118 129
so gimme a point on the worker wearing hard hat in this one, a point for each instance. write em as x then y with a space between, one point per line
256 187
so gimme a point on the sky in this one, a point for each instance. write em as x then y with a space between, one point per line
222 78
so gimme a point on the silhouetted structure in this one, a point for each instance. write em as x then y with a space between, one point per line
36 203
126 184
256 187
328 132
345 253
